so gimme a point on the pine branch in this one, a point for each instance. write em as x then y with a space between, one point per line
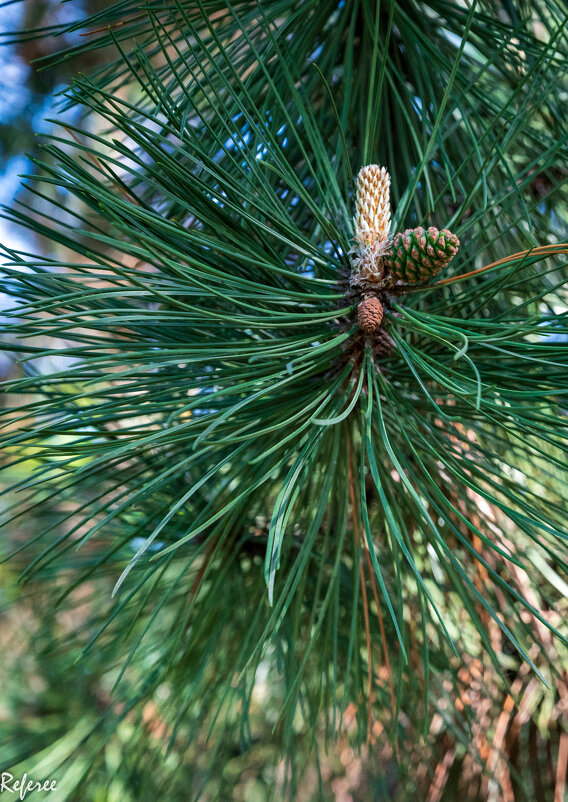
239 452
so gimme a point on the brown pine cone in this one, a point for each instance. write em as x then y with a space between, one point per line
370 314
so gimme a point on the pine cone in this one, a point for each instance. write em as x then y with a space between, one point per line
370 314
419 254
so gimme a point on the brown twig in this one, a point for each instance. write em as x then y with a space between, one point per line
199 576
561 763
114 25
381 626
100 166
541 250
356 535
441 775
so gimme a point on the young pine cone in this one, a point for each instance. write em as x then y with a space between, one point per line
370 315
419 254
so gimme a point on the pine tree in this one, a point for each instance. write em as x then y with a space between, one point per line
301 476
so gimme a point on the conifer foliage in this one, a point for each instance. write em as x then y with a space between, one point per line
299 472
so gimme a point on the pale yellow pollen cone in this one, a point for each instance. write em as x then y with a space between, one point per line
372 205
